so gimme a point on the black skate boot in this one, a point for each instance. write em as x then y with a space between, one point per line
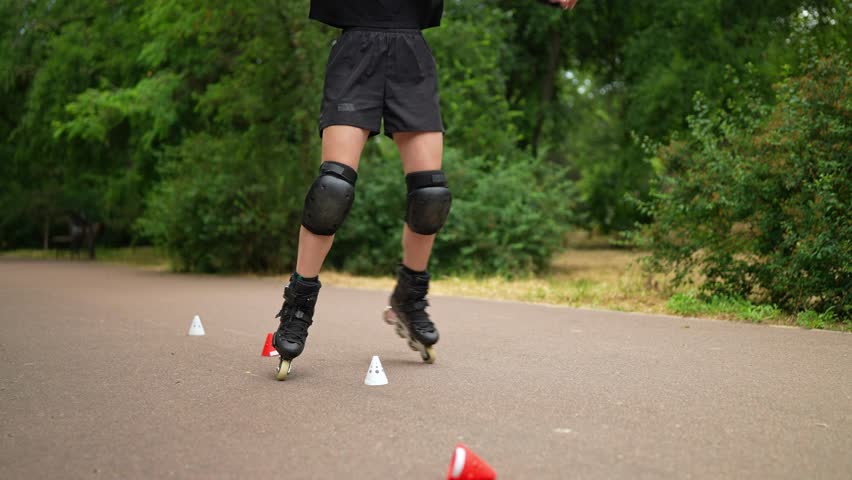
300 297
407 311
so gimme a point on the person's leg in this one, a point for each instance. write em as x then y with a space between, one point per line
412 115
351 111
420 151
326 206
342 144
428 206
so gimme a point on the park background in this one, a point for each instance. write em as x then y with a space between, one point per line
689 157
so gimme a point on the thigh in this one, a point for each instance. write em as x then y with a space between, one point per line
343 144
420 150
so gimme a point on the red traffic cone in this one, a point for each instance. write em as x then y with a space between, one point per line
268 349
465 465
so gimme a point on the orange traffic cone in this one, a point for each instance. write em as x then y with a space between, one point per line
465 465
268 349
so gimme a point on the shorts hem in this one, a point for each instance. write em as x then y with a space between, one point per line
372 131
389 132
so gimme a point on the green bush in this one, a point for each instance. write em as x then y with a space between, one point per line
216 212
757 201
508 215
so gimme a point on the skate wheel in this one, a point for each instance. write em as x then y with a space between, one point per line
428 355
413 346
389 316
283 369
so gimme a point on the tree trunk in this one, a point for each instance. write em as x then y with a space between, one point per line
548 83
46 231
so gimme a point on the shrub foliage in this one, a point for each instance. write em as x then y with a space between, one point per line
757 202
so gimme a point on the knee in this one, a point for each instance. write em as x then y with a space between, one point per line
329 199
429 201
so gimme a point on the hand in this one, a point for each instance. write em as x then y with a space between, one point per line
565 4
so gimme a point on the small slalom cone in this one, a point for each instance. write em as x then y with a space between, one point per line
376 374
465 465
196 329
268 349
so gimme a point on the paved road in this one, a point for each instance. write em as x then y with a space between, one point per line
98 379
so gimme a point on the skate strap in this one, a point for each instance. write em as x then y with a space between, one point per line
303 306
415 306
299 298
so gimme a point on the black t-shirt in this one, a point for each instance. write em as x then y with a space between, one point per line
417 14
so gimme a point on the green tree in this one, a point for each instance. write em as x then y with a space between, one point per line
55 52
632 69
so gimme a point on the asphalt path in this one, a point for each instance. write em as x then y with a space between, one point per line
98 379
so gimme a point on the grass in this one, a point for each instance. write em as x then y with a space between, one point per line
139 256
604 278
732 308
590 278
815 320
725 307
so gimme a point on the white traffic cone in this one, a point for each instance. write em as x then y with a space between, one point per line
376 374
196 329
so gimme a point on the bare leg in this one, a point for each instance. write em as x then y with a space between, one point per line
343 144
419 151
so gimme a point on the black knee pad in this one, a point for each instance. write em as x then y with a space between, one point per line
429 201
329 199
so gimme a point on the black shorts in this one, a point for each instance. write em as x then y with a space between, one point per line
377 74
